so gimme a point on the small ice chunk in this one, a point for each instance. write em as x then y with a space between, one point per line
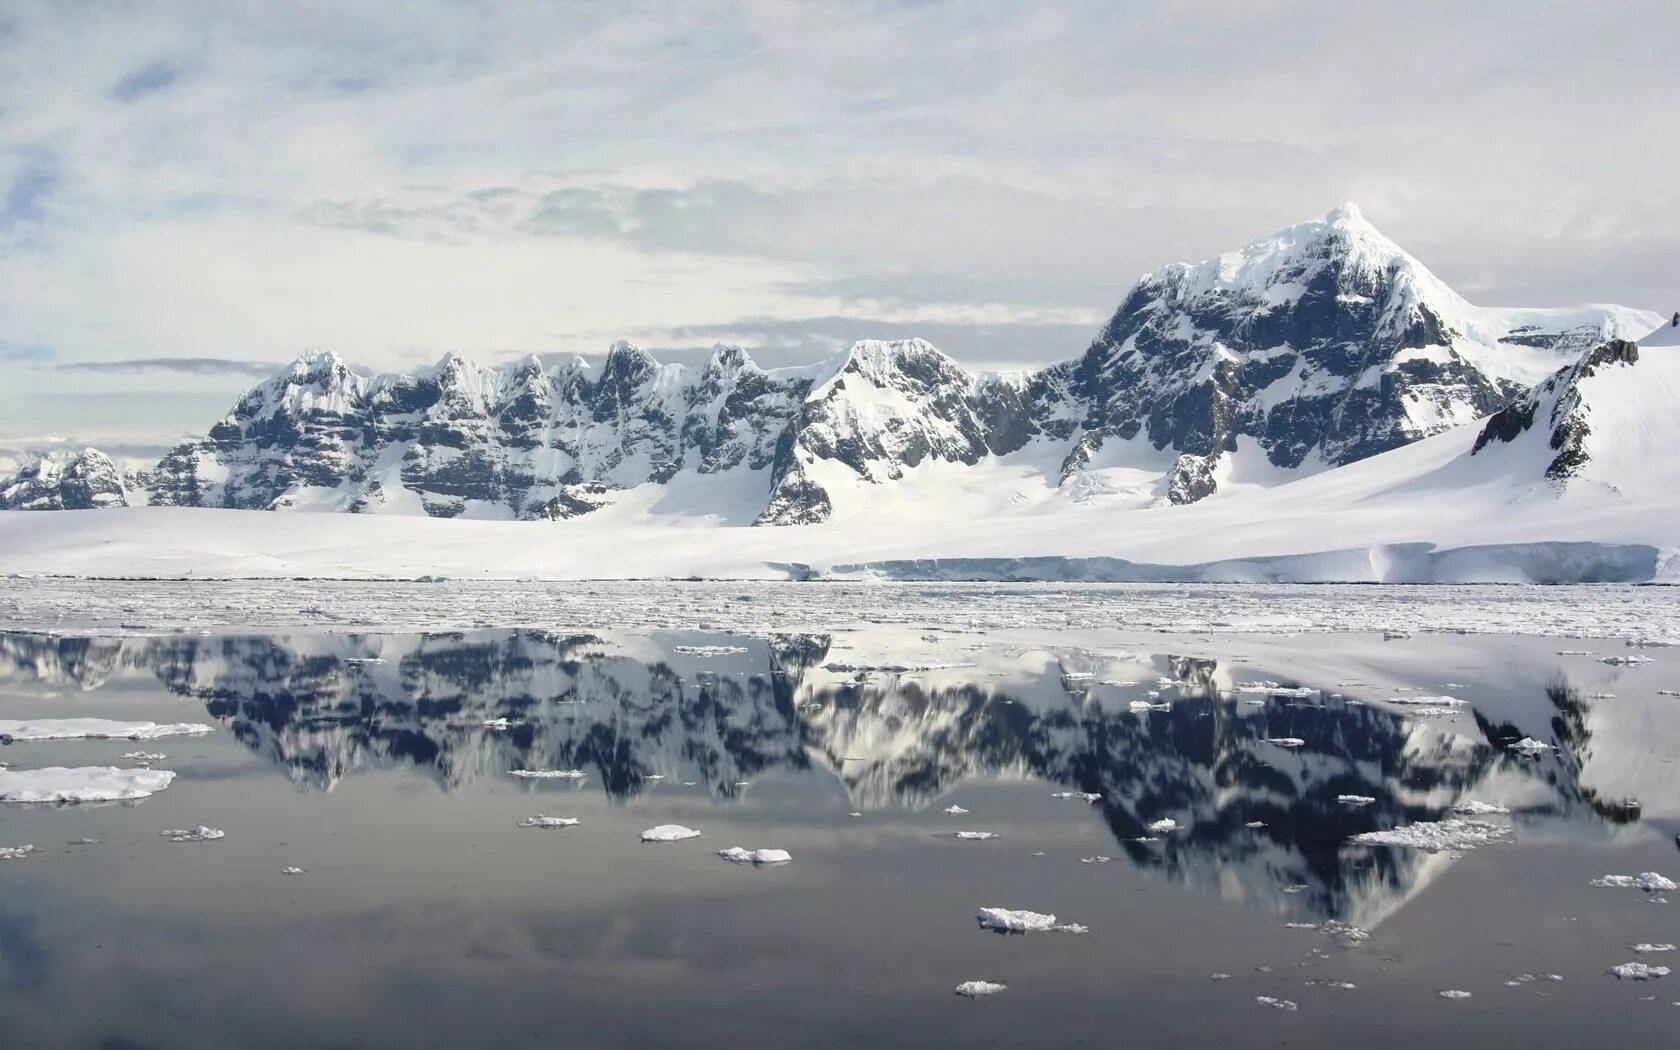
1098 859
669 833
1642 947
854 814
1625 661
1276 1003
708 650
1427 701
501 723
1274 689
1346 986
1638 971
540 821
653 776
976 989
147 757
739 855
1284 741
1083 796
1355 800
34 729
81 784
291 871
976 836
16 852
1445 835
1649 881
1529 746
548 774
1453 993
1472 808
1255 824
1006 920
1219 977
1163 825
954 810
198 834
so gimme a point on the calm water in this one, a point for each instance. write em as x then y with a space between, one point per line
427 918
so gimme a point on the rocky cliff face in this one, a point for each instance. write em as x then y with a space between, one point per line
1557 411
87 480
1312 347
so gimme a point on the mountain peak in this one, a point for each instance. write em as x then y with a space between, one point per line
1347 214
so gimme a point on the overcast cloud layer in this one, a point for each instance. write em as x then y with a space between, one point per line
190 192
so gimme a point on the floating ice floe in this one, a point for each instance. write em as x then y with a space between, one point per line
977 836
1625 661
1576 652
26 730
708 650
1453 993
854 814
1472 808
1355 800
1284 741
738 855
1530 978
669 833
1346 986
1638 971
1450 834
1255 824
1277 1004
16 852
976 989
143 756
1077 676
81 784
1274 689
291 871
653 776
1098 859
1083 796
1668 692
540 821
1644 947
1427 701
1529 746
1005 920
895 668
501 723
1219 977
1118 683
198 834
1649 881
548 774
954 810
1163 825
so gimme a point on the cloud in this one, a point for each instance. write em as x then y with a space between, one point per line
14 353
33 180
206 366
149 79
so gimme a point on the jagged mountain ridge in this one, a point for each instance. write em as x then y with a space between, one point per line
1315 346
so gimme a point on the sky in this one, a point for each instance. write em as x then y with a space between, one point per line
194 193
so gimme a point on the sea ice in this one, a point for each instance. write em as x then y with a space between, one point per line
708 650
81 784
1529 746
298 871
1649 881
540 821
1638 971
22 730
976 989
501 723
1284 741
143 756
738 855
1276 1003
669 833
1255 824
1005 920
1453 993
1433 837
1274 689
977 836
1164 824
1625 661
1355 800
1642 947
16 852
955 810
198 834
1083 796
1472 808
548 774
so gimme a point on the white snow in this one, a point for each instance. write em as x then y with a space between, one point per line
1453 993
1010 921
291 871
1286 1005
976 989
1473 808
954 810
1285 741
94 729
1355 800
198 834
1649 881
1165 824
81 784
1646 946
669 833
16 852
976 836
1529 746
1449 834
548 774
1083 796
540 821
740 855
1638 971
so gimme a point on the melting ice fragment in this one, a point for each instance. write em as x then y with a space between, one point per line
540 821
1355 800
16 852
548 774
1445 835
1083 796
81 784
1164 824
1529 746
1453 993
1473 808
954 810
1638 971
291 871
738 855
708 650
669 833
22 730
976 836
198 834
1649 881
1284 741
1276 1003
1005 920
1642 947
976 989
501 724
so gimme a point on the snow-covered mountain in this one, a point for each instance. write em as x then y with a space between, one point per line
1313 347
85 480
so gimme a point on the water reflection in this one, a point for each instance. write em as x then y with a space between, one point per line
1174 741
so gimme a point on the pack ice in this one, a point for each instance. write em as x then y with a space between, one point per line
81 784
741 855
1005 920
94 729
198 834
1433 837
669 833
540 821
1649 881
976 989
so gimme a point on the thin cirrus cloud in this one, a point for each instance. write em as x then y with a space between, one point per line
232 183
